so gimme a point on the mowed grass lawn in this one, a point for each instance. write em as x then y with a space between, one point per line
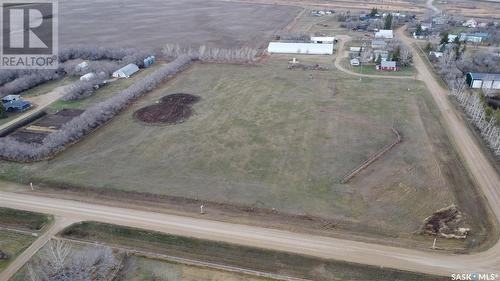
13 243
139 268
271 137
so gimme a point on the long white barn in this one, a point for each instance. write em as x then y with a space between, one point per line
300 48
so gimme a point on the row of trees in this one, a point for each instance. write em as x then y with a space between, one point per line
92 118
208 54
451 67
26 80
83 89
479 115
400 53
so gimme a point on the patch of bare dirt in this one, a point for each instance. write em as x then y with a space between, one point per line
171 109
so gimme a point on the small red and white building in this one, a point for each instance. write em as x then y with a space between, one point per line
387 66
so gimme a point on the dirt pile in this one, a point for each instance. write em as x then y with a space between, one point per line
301 66
3 256
171 109
447 223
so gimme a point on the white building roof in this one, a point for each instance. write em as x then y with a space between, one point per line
88 76
451 38
126 71
11 97
384 33
355 49
300 48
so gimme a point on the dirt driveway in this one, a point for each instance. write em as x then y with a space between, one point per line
40 103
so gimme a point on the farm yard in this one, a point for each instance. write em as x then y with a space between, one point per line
153 23
267 137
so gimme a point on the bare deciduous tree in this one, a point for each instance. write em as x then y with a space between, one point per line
57 262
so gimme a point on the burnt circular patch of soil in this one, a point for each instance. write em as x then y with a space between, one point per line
171 109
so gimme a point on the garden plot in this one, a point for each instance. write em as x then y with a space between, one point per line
38 130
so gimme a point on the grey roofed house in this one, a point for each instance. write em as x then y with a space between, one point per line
126 71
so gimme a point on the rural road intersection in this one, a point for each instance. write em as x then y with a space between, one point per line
318 246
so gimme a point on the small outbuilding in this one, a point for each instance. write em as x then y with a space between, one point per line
355 62
126 71
149 61
88 77
478 80
436 54
82 66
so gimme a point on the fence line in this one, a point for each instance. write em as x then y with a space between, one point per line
373 158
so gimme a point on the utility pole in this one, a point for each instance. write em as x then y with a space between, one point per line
31 185
434 244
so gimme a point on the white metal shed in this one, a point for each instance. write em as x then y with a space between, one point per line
126 71
300 48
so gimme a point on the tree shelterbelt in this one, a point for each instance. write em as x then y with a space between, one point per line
451 67
102 112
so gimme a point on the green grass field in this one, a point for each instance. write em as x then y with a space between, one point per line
140 268
23 220
269 137
13 243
